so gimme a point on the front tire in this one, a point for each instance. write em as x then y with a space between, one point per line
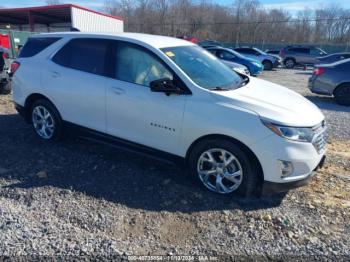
342 95
223 167
289 63
267 65
46 120
5 88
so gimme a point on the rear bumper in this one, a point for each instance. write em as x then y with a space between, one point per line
270 188
318 86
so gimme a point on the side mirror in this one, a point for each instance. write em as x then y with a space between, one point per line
165 85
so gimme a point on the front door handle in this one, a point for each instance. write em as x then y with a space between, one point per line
118 90
55 74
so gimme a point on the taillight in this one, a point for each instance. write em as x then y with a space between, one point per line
14 66
319 71
5 55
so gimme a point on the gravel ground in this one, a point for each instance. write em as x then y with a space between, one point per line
78 198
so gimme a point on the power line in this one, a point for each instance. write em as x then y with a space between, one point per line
243 23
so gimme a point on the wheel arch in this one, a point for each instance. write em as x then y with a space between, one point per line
289 58
266 60
29 102
244 147
339 86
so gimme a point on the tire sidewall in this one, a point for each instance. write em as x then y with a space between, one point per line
55 115
339 98
289 66
249 179
269 65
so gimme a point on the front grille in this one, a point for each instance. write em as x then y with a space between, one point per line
320 141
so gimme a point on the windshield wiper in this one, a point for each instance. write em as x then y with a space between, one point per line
218 88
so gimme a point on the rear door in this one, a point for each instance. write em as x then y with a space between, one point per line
76 79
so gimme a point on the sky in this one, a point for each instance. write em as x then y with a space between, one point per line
291 5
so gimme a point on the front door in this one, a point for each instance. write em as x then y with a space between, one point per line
134 112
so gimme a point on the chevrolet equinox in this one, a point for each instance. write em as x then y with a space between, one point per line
169 97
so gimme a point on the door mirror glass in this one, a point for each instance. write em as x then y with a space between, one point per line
165 85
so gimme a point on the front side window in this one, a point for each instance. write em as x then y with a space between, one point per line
203 68
88 55
137 65
226 55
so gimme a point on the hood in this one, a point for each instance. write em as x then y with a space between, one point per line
233 65
273 103
252 60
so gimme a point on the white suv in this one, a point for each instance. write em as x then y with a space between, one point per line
171 98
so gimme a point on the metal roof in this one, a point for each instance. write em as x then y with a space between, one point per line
43 14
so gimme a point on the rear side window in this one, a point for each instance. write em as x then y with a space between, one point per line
35 45
88 55
300 50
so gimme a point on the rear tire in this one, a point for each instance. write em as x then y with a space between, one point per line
267 65
201 164
342 95
46 120
5 88
289 63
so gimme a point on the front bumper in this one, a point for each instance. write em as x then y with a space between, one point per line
277 63
303 157
270 188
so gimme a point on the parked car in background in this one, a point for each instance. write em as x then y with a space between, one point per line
209 43
328 59
275 53
272 52
168 97
300 55
5 85
226 54
332 80
268 61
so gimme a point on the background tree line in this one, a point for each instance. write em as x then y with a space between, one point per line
244 21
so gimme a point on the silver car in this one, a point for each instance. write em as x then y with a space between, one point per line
301 55
333 80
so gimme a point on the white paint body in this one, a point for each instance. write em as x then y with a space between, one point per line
95 102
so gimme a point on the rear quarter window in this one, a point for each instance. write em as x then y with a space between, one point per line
35 45
85 54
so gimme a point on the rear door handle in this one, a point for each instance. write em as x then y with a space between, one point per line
117 90
55 74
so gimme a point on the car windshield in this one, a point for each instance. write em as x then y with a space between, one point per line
260 51
235 53
203 68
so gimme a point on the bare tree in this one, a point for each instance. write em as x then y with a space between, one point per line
53 2
245 21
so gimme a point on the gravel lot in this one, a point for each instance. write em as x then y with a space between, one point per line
80 198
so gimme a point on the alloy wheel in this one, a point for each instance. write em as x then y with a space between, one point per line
43 122
220 171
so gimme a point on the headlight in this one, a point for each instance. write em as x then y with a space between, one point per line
301 134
